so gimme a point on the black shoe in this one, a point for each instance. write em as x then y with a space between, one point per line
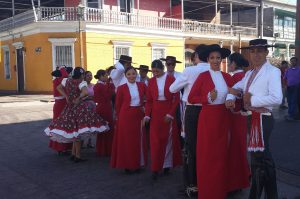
77 160
166 171
154 176
128 171
72 158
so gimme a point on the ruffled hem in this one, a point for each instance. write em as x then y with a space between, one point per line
64 137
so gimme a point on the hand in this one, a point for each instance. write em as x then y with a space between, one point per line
233 91
247 98
145 121
76 101
67 99
168 118
213 95
230 104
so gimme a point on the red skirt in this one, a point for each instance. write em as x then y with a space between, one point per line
212 152
58 107
129 145
164 138
238 173
104 141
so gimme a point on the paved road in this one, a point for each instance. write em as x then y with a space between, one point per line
29 169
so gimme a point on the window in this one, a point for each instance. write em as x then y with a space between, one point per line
62 51
94 3
125 5
63 55
7 72
121 48
158 53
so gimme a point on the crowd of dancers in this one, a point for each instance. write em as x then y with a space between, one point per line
197 118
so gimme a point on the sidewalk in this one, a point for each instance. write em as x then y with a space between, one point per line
25 98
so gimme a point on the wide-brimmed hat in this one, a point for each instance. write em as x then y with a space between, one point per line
171 59
200 50
216 48
125 58
144 67
256 43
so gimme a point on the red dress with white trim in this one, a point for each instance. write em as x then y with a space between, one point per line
129 145
59 105
103 93
76 120
212 134
238 173
164 137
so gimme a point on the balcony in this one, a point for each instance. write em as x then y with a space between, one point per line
99 16
285 32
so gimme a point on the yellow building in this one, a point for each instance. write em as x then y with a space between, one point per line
36 41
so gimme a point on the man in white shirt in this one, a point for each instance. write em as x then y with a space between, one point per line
117 74
185 81
170 62
142 76
261 88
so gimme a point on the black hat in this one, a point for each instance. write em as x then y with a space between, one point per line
171 59
255 43
216 48
200 50
125 58
144 67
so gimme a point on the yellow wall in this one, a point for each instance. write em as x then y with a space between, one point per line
100 50
37 66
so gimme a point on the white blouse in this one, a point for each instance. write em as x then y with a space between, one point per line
80 86
161 87
134 94
220 86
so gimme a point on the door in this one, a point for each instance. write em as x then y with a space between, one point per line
126 8
20 70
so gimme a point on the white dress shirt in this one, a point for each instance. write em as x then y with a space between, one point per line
175 74
134 94
187 78
265 88
118 76
161 87
220 87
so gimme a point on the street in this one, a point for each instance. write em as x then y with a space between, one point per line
29 169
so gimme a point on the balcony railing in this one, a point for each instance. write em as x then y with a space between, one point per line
46 14
285 32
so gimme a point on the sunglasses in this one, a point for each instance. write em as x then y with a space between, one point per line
170 64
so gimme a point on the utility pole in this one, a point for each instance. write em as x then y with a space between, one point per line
297 41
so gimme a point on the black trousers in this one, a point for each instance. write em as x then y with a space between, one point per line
262 166
190 128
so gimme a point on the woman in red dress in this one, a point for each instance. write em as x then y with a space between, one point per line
129 145
78 120
161 107
238 173
210 89
58 107
103 92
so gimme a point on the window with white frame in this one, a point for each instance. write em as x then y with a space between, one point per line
94 3
158 53
7 72
158 50
62 52
121 48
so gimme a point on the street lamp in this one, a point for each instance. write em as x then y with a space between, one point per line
80 14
